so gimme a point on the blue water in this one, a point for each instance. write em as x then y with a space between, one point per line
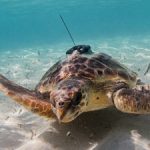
33 38
36 23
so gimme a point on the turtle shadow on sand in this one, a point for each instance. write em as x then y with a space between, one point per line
102 129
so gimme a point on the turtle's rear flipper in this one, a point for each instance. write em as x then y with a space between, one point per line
25 97
135 100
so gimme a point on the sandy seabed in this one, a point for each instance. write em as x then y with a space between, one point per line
106 129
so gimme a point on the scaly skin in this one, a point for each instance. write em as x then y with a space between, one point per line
25 97
136 100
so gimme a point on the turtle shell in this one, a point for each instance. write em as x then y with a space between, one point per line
96 67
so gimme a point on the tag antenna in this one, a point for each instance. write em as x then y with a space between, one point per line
67 28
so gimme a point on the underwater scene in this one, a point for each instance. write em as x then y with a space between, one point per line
33 38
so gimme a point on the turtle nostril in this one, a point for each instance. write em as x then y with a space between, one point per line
61 104
77 99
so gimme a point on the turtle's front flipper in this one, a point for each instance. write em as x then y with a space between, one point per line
25 97
135 100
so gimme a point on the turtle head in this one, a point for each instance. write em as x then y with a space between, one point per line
69 99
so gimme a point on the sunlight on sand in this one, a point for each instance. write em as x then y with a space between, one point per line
105 129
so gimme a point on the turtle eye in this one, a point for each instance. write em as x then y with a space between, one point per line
77 99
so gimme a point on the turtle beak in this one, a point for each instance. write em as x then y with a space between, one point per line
60 115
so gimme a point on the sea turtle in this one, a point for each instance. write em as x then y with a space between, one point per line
83 82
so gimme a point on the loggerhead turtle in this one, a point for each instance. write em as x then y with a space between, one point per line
83 82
